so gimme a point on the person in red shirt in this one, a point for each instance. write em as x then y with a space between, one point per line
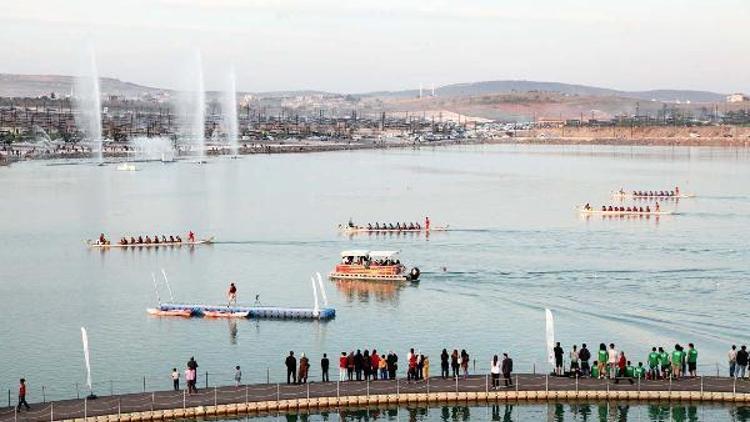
191 236
412 373
427 223
342 366
374 363
22 395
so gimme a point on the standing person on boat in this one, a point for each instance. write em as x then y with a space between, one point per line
232 295
102 239
676 191
427 223
191 236
291 368
325 363
657 208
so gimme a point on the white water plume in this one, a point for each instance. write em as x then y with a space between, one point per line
151 149
88 114
229 113
191 106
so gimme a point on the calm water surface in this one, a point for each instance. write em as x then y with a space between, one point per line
554 412
519 247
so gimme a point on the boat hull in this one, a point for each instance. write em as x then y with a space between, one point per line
207 241
183 313
369 276
357 230
654 197
625 213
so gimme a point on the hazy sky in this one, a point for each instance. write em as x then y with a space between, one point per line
363 45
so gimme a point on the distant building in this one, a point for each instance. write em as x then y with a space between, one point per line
737 98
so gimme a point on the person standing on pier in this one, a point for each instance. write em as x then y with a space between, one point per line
237 376
653 364
358 365
741 366
324 365
343 366
612 359
574 367
584 355
425 367
692 360
21 395
677 361
444 364
175 379
559 353
507 368
732 357
601 359
304 369
495 369
291 368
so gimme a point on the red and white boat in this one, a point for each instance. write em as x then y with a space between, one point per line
184 313
372 265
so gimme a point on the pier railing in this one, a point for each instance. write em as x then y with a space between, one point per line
45 393
245 394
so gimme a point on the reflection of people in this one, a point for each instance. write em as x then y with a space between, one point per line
232 295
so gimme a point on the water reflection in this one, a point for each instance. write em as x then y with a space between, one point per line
512 412
365 290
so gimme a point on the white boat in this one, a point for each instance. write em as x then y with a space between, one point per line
96 244
373 266
126 167
226 314
184 313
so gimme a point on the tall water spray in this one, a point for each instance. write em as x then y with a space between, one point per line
229 112
88 104
191 109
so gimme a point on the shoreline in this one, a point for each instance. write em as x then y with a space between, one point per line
290 148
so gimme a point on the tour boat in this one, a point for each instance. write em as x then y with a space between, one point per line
593 211
96 244
372 265
185 313
626 195
346 229
225 314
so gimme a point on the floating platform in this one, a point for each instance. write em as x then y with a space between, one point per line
268 312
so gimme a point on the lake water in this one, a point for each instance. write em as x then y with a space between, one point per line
506 412
519 246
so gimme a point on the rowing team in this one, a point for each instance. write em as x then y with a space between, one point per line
147 240
391 226
661 193
611 208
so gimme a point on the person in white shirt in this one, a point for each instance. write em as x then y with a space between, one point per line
495 367
175 379
574 360
612 361
732 356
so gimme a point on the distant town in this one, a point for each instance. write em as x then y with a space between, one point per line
47 121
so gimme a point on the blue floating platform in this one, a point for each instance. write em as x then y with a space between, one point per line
270 312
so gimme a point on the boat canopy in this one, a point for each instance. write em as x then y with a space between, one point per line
359 252
383 254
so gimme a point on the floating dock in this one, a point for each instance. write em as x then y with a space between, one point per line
269 312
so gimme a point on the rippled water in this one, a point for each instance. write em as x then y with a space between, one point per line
557 412
518 247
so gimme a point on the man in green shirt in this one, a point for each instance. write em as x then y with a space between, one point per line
629 370
653 364
640 372
677 356
601 358
664 362
595 370
692 359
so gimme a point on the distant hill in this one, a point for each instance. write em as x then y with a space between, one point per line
12 85
499 87
40 85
